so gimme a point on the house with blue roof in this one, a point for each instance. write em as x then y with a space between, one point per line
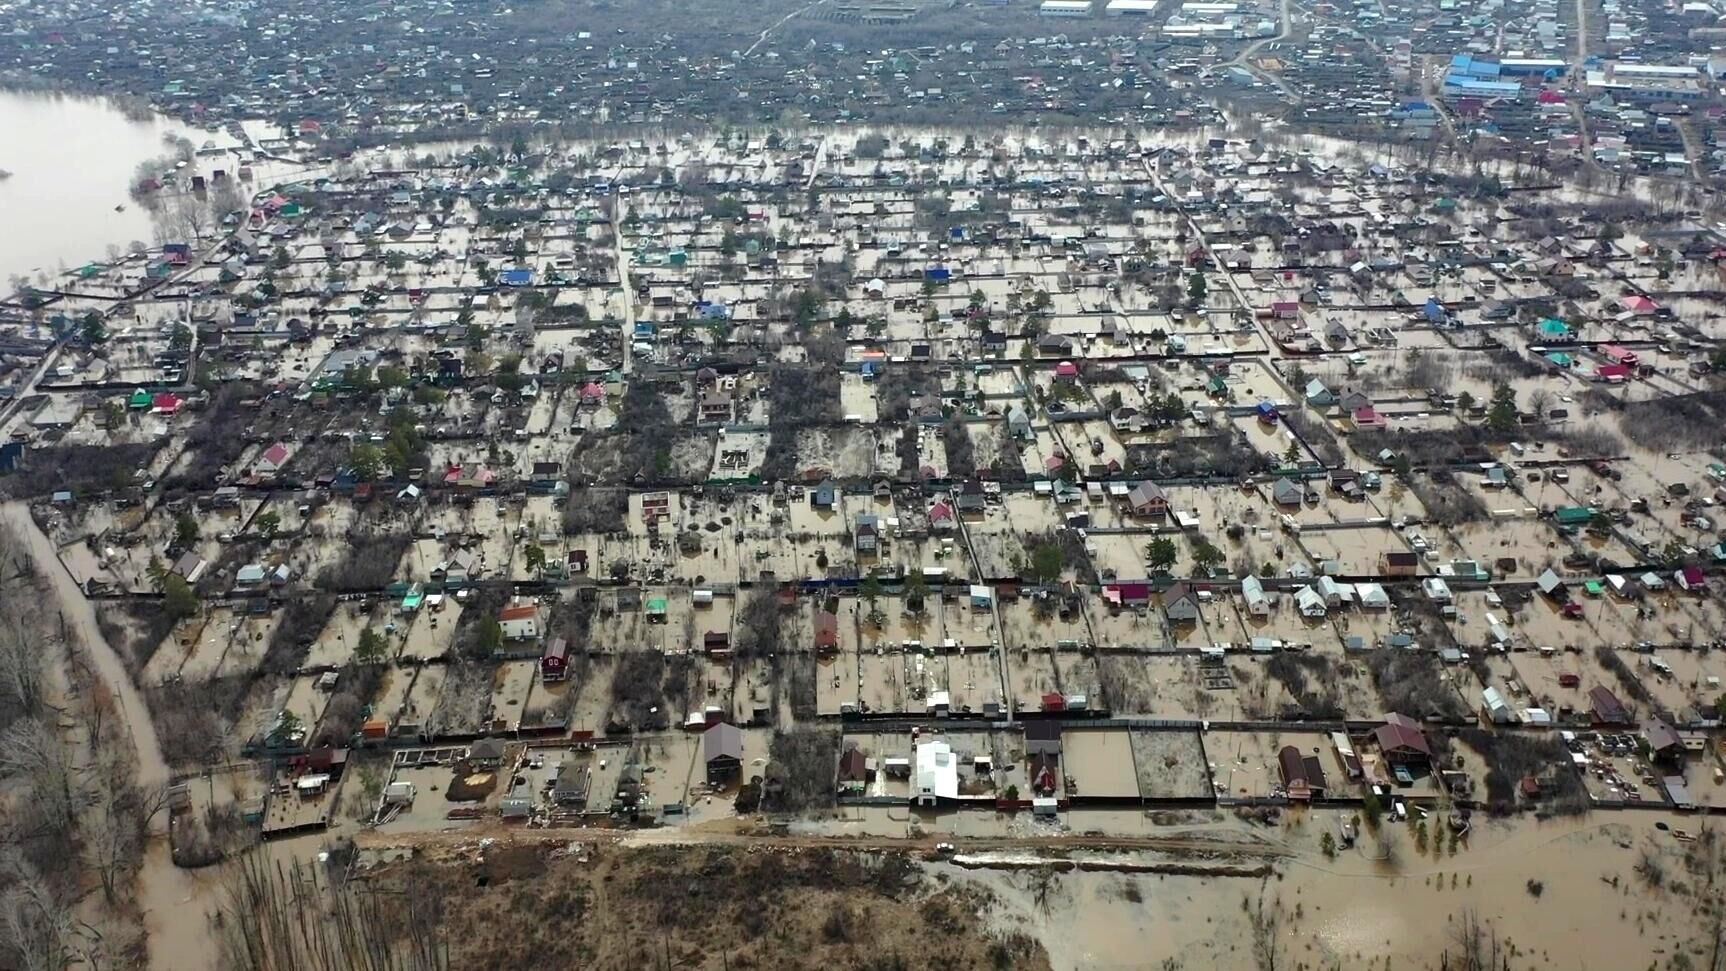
1553 329
515 278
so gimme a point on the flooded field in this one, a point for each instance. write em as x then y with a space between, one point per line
1556 894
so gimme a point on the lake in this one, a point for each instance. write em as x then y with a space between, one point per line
71 160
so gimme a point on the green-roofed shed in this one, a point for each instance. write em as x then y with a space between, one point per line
1572 515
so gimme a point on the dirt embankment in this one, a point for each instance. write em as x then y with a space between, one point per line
707 907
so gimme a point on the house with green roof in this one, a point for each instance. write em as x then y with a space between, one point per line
1553 329
1572 515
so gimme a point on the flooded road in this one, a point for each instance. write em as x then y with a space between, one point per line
71 160
173 901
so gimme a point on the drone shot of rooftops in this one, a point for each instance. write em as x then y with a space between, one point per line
863 485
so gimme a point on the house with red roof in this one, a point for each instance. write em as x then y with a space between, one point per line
520 622
1693 579
826 630
1612 373
1368 417
1641 306
1618 355
1402 741
1127 594
272 460
941 516
165 403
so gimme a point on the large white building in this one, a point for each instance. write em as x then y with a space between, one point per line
1131 8
1065 8
937 773
1646 82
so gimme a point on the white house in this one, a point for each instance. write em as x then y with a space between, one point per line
1253 592
520 622
1496 708
937 773
1371 596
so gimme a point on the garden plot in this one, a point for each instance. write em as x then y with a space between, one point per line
1117 556
943 618
1170 765
1244 764
414 715
247 646
1126 627
1605 620
867 682
587 698
1028 622
513 685
305 701
393 693
934 552
847 453
1358 551
464 703
1310 684
998 546
1511 548
632 619
430 632
1031 675
857 398
1099 763
341 634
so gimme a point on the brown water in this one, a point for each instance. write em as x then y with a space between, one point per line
71 160
174 902
1348 912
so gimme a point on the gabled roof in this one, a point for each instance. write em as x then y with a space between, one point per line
1399 733
1145 493
276 454
722 741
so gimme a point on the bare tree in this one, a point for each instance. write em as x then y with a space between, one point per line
1265 923
1474 945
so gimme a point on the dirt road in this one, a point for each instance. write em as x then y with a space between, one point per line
168 896
734 832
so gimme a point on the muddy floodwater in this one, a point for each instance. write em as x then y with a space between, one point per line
1589 908
70 160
